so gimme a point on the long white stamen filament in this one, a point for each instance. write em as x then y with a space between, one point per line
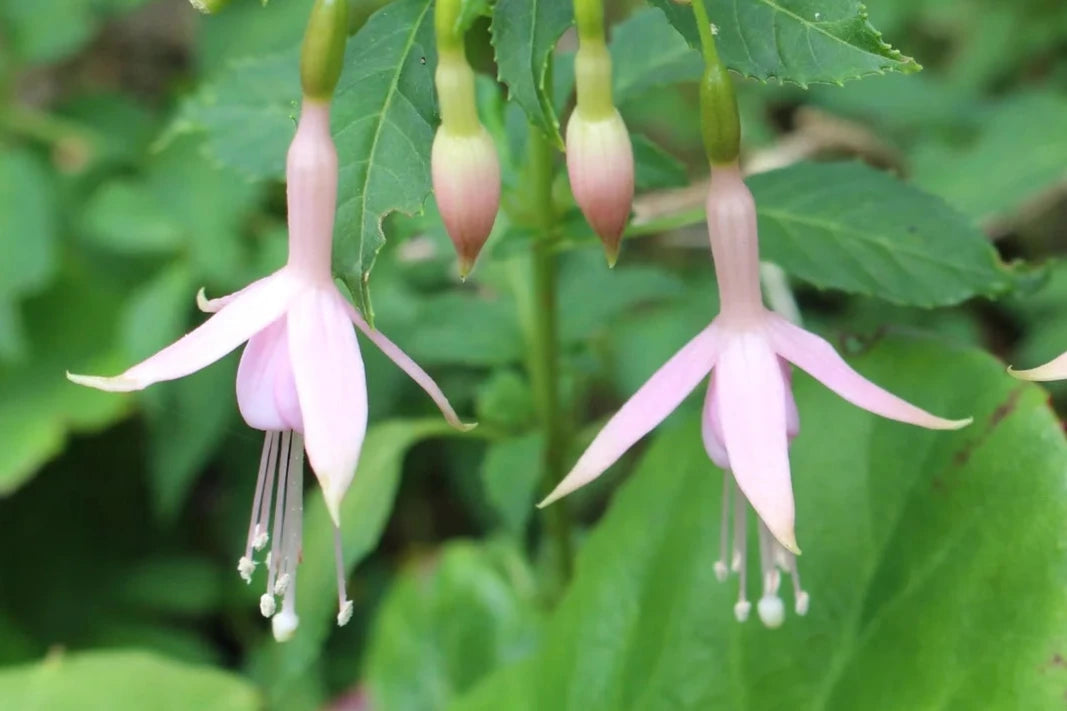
257 529
285 623
740 556
263 522
266 601
721 570
771 609
344 605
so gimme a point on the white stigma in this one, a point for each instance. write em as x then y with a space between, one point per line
774 560
345 615
344 605
284 625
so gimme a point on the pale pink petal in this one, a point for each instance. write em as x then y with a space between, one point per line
409 366
751 403
814 355
332 389
649 406
258 305
266 390
792 415
711 428
1055 369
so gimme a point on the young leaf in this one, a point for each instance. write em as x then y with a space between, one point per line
916 545
524 34
798 41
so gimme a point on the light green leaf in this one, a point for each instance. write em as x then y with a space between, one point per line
1019 154
504 400
511 471
647 52
443 334
364 512
470 11
655 168
124 217
798 41
524 35
918 548
121 681
846 226
440 631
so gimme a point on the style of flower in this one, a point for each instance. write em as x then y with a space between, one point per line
749 415
300 378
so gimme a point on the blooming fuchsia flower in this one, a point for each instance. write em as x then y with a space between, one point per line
301 376
749 415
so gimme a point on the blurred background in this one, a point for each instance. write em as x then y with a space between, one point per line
123 516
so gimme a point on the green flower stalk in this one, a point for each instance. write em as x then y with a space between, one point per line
463 162
600 160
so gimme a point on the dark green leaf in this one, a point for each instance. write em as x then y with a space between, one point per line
918 548
466 330
647 52
798 41
524 34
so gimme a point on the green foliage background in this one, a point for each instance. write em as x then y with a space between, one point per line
920 218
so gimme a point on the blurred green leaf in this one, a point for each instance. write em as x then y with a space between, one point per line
647 52
524 35
455 328
798 41
183 586
440 631
50 30
29 225
940 538
125 217
364 513
120 680
470 11
654 167
505 400
511 471
1019 154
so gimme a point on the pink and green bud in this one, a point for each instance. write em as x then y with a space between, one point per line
323 53
600 159
464 163
209 7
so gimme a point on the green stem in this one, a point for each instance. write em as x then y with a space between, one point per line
707 39
544 351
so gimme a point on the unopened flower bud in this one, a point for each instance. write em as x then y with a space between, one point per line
466 181
464 162
209 7
322 55
600 159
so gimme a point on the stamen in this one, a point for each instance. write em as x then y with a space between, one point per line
721 571
740 553
801 599
285 623
771 608
279 509
246 565
344 605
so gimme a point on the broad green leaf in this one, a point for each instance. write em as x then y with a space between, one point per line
153 585
29 225
647 52
439 631
511 471
798 41
364 512
504 400
850 227
443 333
470 11
68 328
919 548
385 116
524 35
655 168
50 30
124 217
1019 154
122 681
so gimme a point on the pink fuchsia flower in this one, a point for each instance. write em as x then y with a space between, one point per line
749 415
301 376
1055 369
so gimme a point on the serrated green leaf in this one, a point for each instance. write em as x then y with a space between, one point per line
122 681
440 631
647 52
797 41
918 548
385 117
524 35
364 512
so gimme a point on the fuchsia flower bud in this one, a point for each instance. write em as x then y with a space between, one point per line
464 163
600 159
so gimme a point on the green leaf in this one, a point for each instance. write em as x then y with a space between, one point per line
918 548
124 217
646 52
364 512
511 471
121 680
654 167
504 400
385 116
798 41
470 11
1019 154
443 335
524 35
846 226
440 631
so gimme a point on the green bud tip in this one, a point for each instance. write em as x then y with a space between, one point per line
323 53
209 7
